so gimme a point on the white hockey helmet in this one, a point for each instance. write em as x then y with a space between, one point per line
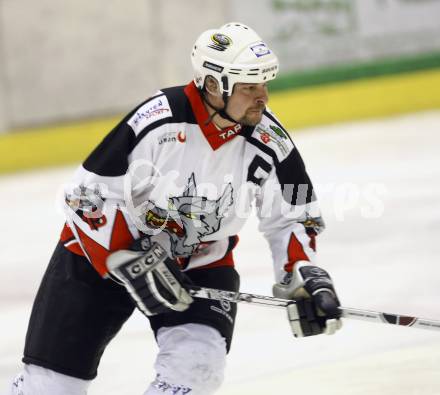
233 53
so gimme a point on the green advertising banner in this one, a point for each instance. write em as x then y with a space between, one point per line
316 34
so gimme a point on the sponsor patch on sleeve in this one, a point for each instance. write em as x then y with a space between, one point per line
152 111
275 138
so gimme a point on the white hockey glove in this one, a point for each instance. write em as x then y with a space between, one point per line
316 309
153 280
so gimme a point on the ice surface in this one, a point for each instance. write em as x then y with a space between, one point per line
379 187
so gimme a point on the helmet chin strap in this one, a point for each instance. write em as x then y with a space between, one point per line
220 111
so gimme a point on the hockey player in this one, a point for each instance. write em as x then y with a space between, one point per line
157 206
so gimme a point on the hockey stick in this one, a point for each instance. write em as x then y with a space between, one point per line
356 314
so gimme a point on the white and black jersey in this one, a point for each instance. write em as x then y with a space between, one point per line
167 172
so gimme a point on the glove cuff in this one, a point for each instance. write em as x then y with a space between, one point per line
292 284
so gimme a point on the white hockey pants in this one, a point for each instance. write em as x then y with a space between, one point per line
191 360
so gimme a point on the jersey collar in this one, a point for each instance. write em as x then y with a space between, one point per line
216 138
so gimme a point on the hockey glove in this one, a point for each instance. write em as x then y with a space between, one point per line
316 307
153 280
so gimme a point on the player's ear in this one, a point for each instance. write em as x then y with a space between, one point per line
211 86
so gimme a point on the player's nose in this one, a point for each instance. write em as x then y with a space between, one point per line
261 95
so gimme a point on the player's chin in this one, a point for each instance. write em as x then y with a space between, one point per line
252 118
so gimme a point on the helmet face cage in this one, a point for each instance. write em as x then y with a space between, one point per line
232 54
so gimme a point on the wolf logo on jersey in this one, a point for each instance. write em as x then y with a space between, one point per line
189 217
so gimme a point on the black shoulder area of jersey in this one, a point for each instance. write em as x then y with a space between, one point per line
291 171
180 105
180 108
109 158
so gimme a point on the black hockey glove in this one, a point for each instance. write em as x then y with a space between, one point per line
316 309
153 280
